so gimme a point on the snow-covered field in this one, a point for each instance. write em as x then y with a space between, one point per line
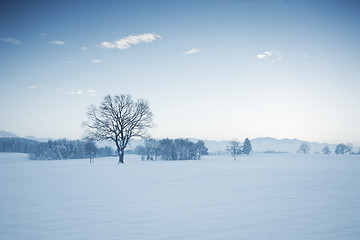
256 197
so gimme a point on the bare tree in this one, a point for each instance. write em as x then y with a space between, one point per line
304 148
349 148
326 150
234 148
118 119
90 150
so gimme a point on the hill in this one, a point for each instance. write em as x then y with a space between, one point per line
262 144
7 134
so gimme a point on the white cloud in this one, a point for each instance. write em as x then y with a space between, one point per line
261 56
11 40
35 86
275 56
269 53
91 92
72 91
84 48
57 42
96 60
42 34
126 42
80 91
192 51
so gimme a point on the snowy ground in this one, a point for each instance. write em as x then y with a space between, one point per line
257 197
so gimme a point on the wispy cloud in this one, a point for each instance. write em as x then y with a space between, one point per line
84 48
80 91
275 56
11 40
35 86
72 91
91 92
261 56
304 55
269 53
96 60
126 42
69 62
192 51
43 34
57 42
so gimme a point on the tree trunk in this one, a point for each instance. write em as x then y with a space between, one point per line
121 156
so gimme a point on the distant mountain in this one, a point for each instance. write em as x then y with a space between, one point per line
37 139
258 145
286 145
262 144
7 134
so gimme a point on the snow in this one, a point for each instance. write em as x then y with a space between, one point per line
261 196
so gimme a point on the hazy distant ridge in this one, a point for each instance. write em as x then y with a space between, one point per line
9 134
261 144
271 144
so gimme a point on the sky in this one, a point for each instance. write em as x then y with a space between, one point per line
219 70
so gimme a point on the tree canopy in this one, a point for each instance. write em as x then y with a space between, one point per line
119 118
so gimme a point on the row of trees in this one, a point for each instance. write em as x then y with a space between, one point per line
339 149
55 149
19 145
171 149
69 149
235 148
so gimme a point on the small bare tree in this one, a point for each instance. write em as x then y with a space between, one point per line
119 118
234 148
90 150
349 148
304 148
326 150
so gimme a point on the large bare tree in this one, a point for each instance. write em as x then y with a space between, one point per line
119 118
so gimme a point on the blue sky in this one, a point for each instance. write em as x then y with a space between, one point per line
209 69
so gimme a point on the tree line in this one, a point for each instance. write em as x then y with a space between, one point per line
171 149
55 149
339 149
18 145
70 149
